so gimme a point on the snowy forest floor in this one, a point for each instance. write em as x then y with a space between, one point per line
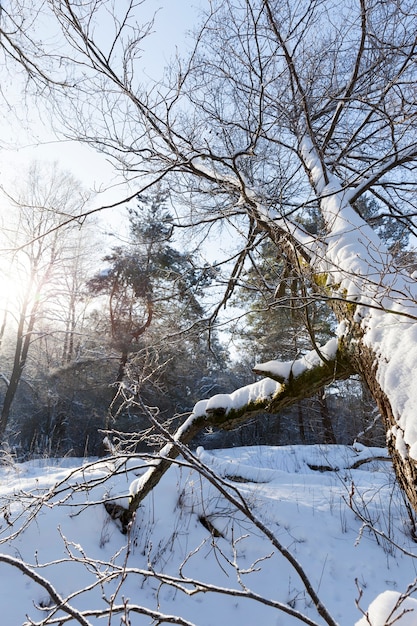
344 521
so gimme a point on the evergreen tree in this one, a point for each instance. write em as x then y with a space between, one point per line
283 318
156 316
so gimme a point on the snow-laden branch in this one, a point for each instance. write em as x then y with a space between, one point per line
285 371
294 380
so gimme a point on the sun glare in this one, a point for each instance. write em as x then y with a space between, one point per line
12 287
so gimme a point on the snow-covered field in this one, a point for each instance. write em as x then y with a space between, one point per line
216 566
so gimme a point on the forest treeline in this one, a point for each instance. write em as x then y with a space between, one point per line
91 320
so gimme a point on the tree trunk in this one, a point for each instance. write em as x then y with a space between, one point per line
374 302
405 467
20 356
329 436
301 421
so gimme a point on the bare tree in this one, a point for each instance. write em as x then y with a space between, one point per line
39 252
280 107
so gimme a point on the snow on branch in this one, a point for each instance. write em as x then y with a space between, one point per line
294 380
285 371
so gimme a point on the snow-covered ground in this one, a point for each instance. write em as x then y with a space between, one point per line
313 500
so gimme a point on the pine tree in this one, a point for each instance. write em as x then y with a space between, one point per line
155 313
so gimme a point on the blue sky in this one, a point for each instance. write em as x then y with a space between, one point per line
22 142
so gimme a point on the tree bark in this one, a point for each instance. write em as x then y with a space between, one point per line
365 362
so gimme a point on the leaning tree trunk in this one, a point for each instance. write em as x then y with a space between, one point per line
364 360
286 384
375 304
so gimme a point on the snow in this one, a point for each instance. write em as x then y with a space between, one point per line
359 263
388 608
316 505
361 269
263 389
286 369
